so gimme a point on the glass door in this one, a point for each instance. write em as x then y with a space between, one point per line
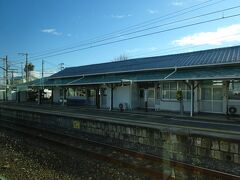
212 99
217 104
151 98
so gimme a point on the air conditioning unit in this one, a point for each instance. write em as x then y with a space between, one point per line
232 110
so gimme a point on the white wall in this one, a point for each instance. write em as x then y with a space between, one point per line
135 96
56 94
104 100
121 95
174 105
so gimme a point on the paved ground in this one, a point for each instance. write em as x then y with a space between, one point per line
201 123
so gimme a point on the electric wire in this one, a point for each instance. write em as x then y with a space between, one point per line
143 24
146 29
142 35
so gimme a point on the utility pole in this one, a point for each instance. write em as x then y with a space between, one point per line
6 75
41 90
42 68
61 66
27 67
6 67
26 64
12 71
22 70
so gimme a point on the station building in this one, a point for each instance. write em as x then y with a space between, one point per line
209 81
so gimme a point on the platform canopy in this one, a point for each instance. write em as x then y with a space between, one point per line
213 73
216 73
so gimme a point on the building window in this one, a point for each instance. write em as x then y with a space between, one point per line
71 92
81 92
206 93
234 90
186 91
166 91
169 90
92 93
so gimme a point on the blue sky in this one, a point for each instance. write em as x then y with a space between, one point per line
37 26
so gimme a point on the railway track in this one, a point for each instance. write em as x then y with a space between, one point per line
149 165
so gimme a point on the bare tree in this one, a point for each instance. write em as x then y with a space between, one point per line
28 68
122 57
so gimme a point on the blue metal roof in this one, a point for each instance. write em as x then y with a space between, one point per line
220 56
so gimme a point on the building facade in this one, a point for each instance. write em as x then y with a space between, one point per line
208 80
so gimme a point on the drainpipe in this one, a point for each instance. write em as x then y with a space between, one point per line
175 70
131 94
146 99
111 98
97 98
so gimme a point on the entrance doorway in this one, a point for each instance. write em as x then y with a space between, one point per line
150 93
151 98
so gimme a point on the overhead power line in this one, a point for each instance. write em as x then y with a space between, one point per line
137 26
177 48
142 35
142 30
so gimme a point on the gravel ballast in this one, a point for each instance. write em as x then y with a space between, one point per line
22 157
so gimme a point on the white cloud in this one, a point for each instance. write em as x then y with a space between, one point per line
152 49
152 11
221 35
177 3
121 16
134 50
51 31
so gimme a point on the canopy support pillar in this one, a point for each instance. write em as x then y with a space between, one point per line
192 99
111 98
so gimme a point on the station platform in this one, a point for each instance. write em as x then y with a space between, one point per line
202 123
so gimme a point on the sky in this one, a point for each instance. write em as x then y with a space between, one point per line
78 32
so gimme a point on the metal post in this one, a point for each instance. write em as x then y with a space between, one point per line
42 83
52 97
39 96
97 98
63 98
22 70
192 99
26 67
6 67
131 94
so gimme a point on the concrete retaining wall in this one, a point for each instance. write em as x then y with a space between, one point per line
202 150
